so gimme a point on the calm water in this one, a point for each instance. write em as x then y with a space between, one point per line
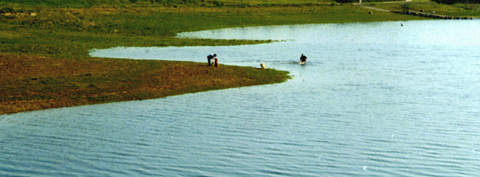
375 99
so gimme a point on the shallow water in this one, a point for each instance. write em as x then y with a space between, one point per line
375 99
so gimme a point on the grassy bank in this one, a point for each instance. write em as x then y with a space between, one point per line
44 46
32 82
456 10
72 32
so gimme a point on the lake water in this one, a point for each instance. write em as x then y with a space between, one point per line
375 99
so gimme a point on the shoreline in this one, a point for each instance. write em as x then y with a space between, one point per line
103 80
51 68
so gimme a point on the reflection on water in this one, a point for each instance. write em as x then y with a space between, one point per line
375 99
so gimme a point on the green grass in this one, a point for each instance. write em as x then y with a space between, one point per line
44 61
72 32
470 10
157 3
32 82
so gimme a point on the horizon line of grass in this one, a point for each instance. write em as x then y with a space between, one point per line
158 3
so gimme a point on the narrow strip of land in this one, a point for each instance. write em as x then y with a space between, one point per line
33 82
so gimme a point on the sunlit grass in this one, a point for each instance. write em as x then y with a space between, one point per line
32 82
72 32
471 10
44 61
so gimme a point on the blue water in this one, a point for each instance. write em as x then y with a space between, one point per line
375 99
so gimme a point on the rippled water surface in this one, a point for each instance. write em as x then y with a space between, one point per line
375 99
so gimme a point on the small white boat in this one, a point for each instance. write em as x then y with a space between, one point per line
303 62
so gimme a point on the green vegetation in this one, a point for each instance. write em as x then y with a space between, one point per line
92 3
32 82
158 3
44 46
363 1
72 32
459 9
456 1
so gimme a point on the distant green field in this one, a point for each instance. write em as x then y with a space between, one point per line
124 3
269 2
459 9
84 3
71 32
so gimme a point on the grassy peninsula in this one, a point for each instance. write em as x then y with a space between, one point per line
71 32
44 61
36 82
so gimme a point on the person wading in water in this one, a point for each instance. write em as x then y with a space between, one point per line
303 59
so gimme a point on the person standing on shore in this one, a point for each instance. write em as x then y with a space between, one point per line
209 58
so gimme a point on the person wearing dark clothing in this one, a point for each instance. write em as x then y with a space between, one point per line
210 58
303 58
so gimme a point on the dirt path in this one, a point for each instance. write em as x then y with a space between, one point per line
380 9
375 8
416 13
